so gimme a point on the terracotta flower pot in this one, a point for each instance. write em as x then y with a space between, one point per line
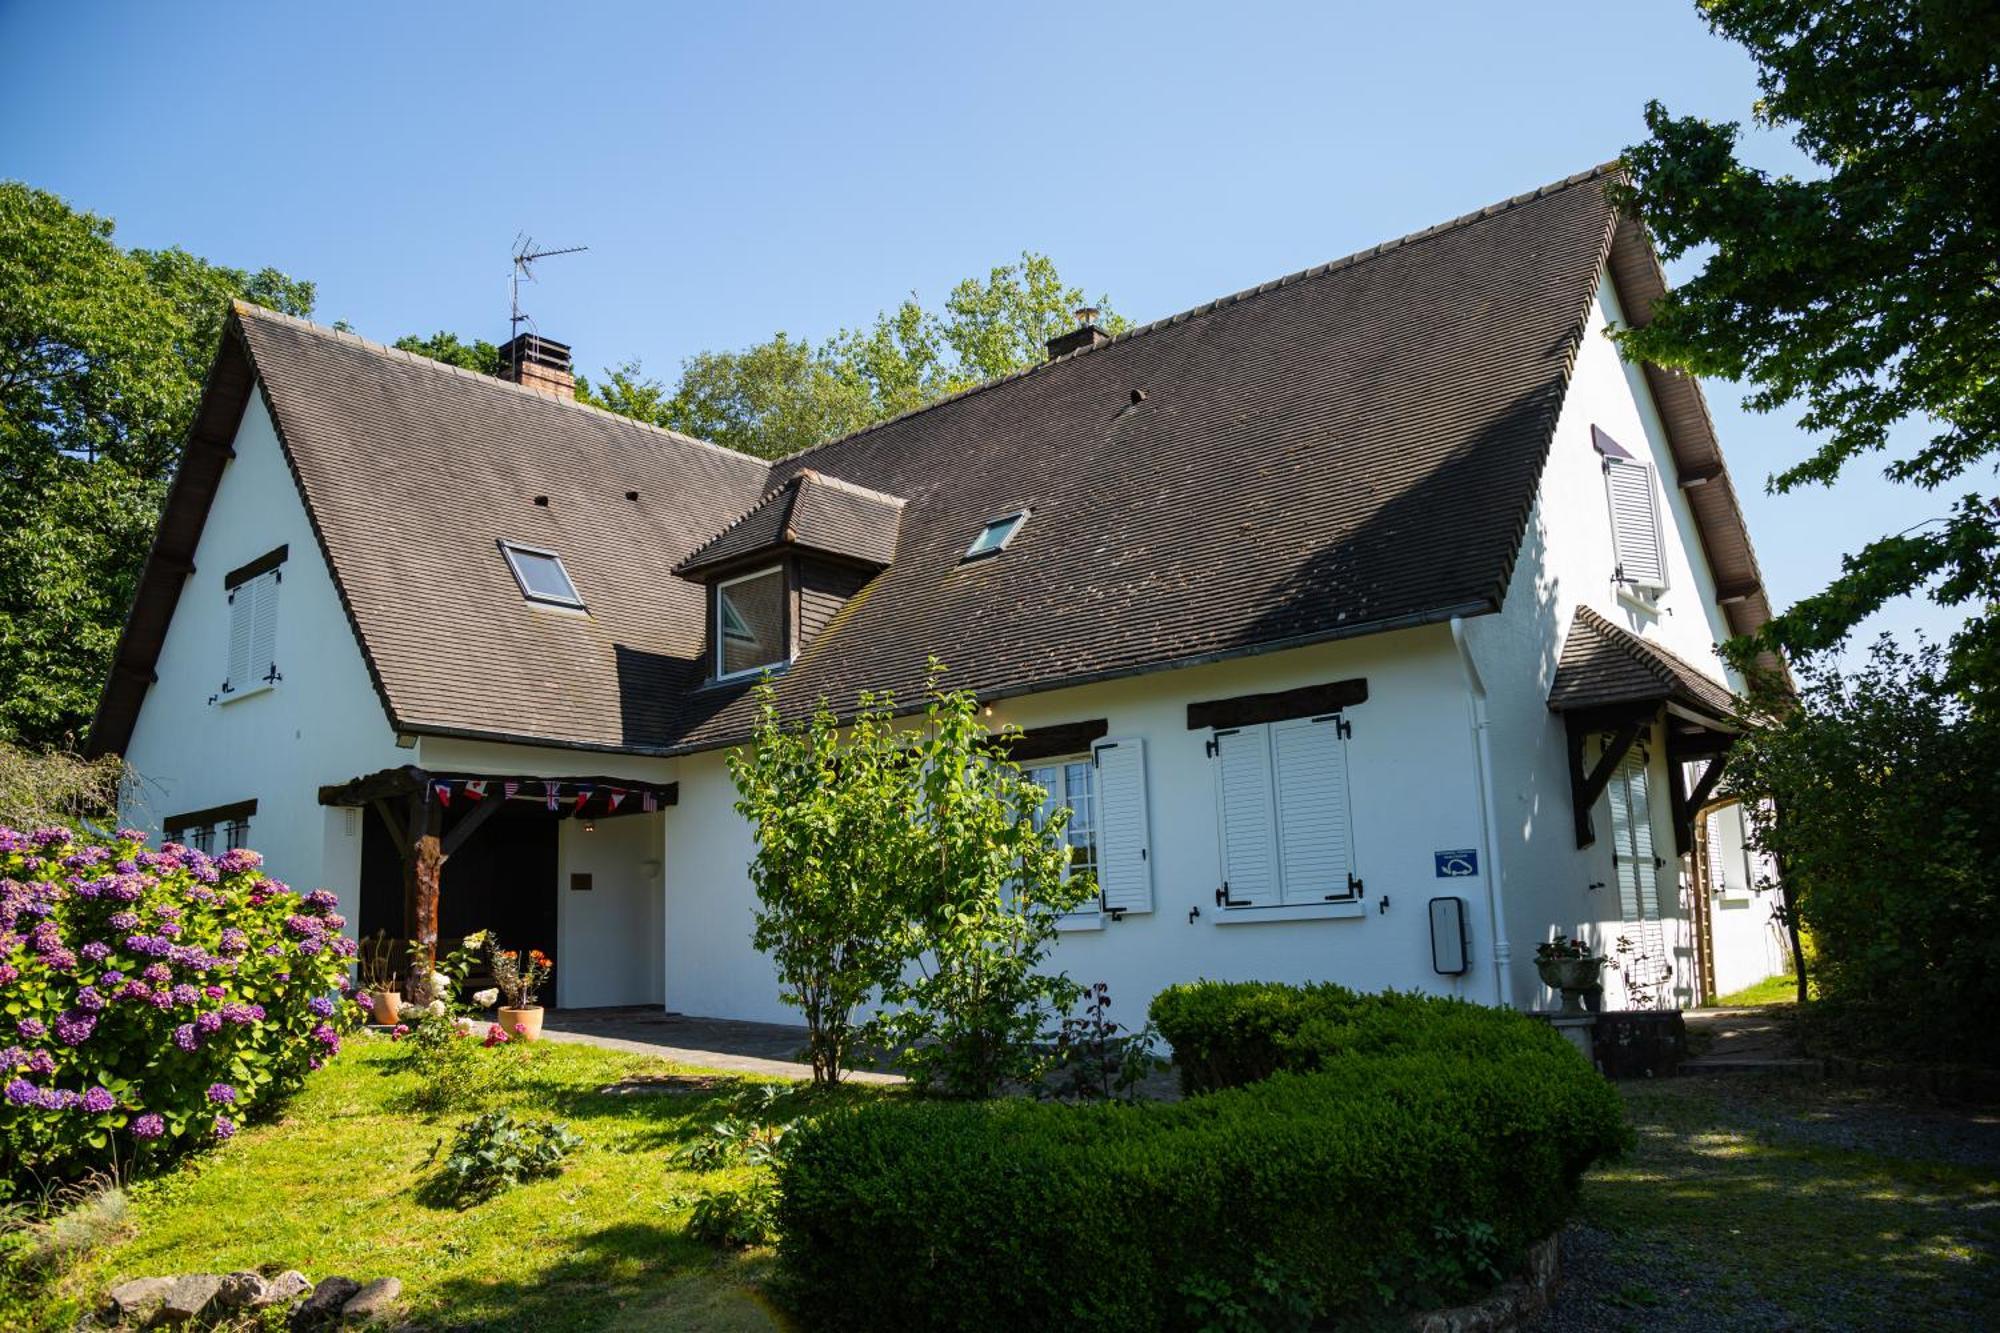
522 1024
1571 976
385 1007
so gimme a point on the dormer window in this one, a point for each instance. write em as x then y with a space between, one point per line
993 538
541 575
750 616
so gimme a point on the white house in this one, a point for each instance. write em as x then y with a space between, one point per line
1366 620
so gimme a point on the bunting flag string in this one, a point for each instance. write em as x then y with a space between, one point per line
555 793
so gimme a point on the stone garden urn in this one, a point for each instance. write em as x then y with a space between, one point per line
1571 976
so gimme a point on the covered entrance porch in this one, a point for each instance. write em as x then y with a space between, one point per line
568 865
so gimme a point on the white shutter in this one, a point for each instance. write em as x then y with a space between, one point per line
1635 523
264 628
1719 881
1245 816
1124 834
242 609
1315 837
1637 874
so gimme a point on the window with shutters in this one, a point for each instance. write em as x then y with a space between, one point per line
1635 526
213 832
1108 830
253 633
1282 809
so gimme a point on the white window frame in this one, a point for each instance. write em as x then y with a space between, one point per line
1292 903
1011 522
1087 915
785 630
510 549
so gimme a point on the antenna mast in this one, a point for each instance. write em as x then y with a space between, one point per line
525 255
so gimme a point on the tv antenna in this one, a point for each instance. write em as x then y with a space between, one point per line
525 255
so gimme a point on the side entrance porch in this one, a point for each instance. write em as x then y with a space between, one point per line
568 865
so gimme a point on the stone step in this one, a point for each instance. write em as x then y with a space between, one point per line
1724 1064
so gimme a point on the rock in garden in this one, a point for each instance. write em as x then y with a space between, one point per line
374 1301
324 1305
188 1297
282 1290
242 1289
136 1300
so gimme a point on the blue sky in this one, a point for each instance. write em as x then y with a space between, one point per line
737 169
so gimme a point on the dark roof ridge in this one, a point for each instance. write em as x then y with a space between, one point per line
1601 171
241 308
842 484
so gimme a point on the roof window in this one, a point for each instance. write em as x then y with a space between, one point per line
541 575
995 536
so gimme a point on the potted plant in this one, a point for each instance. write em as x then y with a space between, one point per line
519 976
376 962
1567 966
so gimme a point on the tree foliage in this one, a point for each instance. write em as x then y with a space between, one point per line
1870 294
102 356
1886 791
909 866
786 394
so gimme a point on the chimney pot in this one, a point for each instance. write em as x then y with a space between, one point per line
1085 334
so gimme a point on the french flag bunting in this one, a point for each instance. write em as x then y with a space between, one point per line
444 793
617 795
582 795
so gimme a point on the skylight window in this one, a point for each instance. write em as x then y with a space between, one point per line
993 538
541 575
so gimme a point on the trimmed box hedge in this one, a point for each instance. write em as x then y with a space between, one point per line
1226 1034
1396 1174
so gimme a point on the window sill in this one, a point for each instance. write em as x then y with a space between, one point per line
1249 916
249 692
1639 601
1080 922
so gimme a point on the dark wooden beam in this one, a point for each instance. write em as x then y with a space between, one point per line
1048 742
1586 786
1247 710
397 833
216 814
469 822
385 784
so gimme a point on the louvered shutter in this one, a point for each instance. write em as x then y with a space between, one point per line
242 611
1719 879
1124 834
1245 817
1315 837
1635 523
1637 873
264 628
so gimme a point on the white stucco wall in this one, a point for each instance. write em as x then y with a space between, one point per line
1566 561
1750 945
1413 791
608 937
322 723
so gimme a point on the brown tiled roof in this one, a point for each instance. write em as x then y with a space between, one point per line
809 512
1604 665
1349 449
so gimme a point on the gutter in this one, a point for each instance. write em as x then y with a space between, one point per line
1489 815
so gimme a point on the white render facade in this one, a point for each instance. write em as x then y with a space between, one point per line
1454 751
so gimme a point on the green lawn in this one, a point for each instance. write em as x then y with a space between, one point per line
1771 990
1769 1203
329 1188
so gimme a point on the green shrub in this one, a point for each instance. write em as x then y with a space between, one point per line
494 1151
1433 1145
1227 1034
737 1218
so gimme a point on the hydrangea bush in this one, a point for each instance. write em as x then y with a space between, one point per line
151 998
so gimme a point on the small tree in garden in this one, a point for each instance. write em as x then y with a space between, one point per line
986 883
834 820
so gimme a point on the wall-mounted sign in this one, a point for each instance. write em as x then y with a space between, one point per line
1456 864
579 881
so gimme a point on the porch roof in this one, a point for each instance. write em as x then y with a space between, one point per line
589 796
1606 667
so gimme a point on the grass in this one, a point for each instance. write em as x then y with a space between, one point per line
1767 1203
1772 990
330 1188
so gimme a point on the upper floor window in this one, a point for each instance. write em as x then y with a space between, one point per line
1636 537
993 538
750 616
541 575
253 625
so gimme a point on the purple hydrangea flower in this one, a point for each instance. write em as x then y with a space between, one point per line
234 940
326 1036
159 974
41 1062
96 951
321 1005
208 1023
112 977
149 1126
185 1038
186 994
124 920
89 1000
322 899
21 1092
32 1028
213 992
222 1094
74 1026
224 1127
99 1100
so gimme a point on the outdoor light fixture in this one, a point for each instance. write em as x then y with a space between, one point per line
590 826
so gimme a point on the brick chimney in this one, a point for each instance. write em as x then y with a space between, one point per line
539 363
1085 334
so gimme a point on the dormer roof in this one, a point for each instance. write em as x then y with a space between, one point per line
810 512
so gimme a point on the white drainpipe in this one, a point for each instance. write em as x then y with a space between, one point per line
1489 816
